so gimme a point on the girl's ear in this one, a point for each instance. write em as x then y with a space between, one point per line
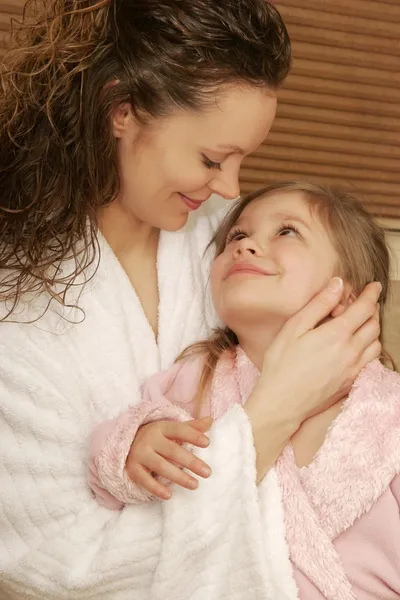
348 297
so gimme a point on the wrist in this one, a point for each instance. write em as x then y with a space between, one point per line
268 409
272 425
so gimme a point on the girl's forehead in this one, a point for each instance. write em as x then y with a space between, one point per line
277 203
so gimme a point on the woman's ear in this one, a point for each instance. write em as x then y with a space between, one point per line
122 120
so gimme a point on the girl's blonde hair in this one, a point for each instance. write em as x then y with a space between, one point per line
359 241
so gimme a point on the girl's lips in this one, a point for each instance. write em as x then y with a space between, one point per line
191 203
248 268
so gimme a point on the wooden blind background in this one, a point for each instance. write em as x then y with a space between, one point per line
338 118
9 9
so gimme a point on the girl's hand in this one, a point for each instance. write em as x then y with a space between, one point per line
157 450
308 367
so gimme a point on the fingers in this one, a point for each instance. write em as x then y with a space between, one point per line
159 465
185 459
366 335
338 310
317 309
203 424
372 352
186 432
142 477
362 309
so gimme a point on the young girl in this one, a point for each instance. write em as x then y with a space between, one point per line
339 476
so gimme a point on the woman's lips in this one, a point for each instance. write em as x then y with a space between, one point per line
238 268
191 203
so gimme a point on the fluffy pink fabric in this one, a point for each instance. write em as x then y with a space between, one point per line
352 470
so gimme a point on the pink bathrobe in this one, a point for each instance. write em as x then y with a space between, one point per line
342 512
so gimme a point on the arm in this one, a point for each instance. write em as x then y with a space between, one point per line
168 395
309 367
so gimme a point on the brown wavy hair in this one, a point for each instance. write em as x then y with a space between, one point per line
359 241
58 161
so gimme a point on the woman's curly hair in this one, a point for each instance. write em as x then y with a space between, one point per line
58 161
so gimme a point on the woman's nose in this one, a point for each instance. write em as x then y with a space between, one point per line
226 185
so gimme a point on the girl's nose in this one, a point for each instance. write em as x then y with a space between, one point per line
247 246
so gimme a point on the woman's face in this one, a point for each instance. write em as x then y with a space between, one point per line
172 165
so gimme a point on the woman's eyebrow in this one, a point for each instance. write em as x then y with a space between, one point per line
231 148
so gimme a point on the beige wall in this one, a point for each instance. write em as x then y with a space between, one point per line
392 320
392 324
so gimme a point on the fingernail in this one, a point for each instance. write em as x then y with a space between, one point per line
205 471
166 495
193 484
380 286
335 284
204 440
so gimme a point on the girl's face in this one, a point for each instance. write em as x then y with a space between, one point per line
169 167
277 257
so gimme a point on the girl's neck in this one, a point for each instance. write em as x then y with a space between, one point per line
256 341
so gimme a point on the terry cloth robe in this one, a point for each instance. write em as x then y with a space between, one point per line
71 369
342 512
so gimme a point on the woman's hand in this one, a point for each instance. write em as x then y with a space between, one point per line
309 368
157 450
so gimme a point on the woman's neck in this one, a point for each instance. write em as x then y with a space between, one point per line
126 234
135 245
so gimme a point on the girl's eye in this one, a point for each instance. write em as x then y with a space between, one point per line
288 231
235 235
210 164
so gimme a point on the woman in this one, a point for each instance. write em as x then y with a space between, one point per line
118 119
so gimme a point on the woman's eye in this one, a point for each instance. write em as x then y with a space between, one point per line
210 164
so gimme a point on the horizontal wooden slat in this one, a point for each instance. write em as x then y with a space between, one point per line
343 39
381 188
5 20
301 165
339 103
352 74
342 132
12 6
345 56
270 150
349 89
310 142
338 117
330 20
371 199
374 203
369 9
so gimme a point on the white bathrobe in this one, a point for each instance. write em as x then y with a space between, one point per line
57 379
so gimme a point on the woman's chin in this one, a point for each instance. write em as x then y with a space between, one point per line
173 223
